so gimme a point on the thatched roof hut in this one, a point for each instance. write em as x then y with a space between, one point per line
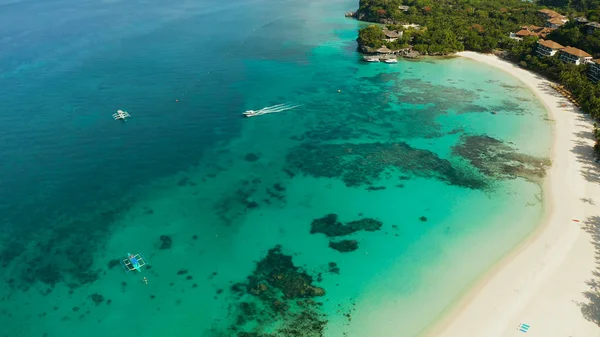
383 50
391 34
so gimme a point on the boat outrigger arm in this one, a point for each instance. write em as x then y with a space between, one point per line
133 262
122 115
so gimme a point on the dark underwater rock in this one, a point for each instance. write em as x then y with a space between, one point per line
331 227
251 157
165 242
87 277
183 181
253 334
49 274
344 246
112 263
375 188
423 218
251 204
97 298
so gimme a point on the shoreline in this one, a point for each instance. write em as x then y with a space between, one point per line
542 279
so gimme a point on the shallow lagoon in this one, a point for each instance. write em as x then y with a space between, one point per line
84 190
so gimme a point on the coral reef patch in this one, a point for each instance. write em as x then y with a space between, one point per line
62 252
165 242
364 163
344 246
495 159
444 98
251 157
277 301
331 227
249 193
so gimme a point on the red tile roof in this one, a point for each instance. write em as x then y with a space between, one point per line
525 32
575 52
550 44
555 21
549 12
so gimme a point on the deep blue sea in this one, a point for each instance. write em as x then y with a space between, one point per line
360 212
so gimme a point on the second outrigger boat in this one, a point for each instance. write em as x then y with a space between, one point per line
122 115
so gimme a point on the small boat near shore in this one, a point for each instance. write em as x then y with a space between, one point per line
391 60
371 59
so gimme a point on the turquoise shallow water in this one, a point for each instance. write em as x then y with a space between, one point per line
80 190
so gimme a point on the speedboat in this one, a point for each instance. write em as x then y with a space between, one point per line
251 113
269 110
391 61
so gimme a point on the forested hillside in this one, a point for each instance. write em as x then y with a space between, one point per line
447 26
454 25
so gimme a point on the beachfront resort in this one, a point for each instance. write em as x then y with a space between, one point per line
562 48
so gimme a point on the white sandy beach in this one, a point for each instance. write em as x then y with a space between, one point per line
542 282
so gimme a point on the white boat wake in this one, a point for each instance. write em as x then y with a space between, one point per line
270 109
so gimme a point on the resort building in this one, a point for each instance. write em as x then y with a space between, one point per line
531 31
554 19
581 20
548 13
383 50
574 55
547 48
521 34
594 71
592 27
392 35
556 22
403 8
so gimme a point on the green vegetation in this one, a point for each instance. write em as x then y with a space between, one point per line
573 77
575 35
454 25
371 36
574 6
485 25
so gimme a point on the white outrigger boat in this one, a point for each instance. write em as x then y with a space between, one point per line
390 60
122 115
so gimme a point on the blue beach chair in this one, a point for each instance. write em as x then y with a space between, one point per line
133 262
524 327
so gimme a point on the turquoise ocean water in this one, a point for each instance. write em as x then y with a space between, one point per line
204 194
